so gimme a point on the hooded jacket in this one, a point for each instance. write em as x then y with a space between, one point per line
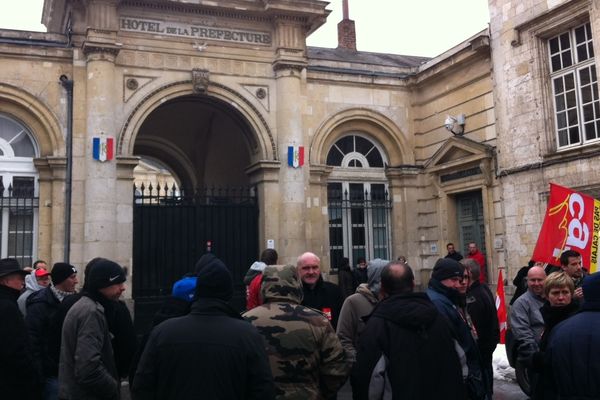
31 286
407 351
306 357
357 307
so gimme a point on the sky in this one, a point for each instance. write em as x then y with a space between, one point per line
419 28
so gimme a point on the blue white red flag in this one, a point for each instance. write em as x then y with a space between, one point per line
295 156
103 148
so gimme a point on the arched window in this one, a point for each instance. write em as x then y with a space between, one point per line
18 191
358 201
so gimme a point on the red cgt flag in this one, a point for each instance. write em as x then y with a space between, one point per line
501 307
572 221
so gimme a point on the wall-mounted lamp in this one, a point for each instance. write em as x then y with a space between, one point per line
456 125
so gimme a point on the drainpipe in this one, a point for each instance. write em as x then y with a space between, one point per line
68 85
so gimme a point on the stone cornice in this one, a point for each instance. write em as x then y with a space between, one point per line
91 48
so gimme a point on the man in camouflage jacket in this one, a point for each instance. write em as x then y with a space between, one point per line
306 357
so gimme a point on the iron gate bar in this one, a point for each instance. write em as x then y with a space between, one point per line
171 228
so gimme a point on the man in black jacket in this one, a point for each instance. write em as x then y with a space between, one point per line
318 294
43 333
18 375
481 306
407 348
212 353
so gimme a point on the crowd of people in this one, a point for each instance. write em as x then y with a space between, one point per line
301 337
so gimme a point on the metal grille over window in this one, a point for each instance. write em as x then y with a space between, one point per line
18 208
574 87
359 221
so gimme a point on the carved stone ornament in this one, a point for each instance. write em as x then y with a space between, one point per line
132 84
261 93
200 80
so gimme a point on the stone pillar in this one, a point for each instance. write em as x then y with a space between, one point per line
317 236
124 216
264 175
100 219
51 208
292 181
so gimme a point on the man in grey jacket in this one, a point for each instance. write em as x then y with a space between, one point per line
87 369
525 318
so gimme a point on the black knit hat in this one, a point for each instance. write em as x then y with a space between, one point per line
10 266
60 272
214 278
104 273
445 268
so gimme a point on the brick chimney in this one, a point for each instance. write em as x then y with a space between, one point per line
346 31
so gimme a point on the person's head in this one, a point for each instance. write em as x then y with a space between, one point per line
472 248
374 274
106 278
396 278
591 290
402 259
361 262
570 262
472 269
40 264
535 280
448 272
269 256
185 288
558 289
64 277
214 279
11 274
42 277
281 283
450 248
309 268
465 282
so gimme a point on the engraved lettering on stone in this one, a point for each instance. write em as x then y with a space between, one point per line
200 79
196 31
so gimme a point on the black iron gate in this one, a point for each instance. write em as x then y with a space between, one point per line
172 228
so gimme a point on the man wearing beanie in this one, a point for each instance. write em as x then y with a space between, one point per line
571 365
212 353
18 375
87 367
447 276
41 308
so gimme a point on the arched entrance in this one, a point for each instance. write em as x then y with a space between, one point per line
191 196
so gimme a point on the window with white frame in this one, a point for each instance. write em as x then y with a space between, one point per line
574 87
358 201
18 192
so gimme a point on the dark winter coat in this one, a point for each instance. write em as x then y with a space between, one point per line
456 256
446 300
346 281
41 309
481 306
323 296
407 338
209 354
18 375
120 325
573 366
87 369
360 275
520 283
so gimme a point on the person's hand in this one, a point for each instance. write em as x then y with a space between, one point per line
578 293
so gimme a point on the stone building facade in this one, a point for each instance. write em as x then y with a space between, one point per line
218 92
547 109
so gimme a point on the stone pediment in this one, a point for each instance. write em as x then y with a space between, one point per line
458 152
